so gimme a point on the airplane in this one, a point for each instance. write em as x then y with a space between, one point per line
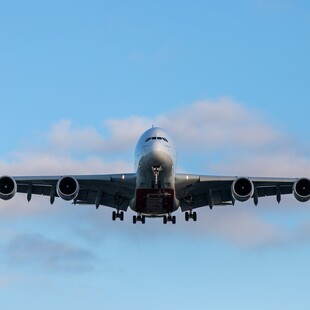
154 190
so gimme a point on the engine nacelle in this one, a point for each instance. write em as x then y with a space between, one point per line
242 189
68 188
8 187
301 189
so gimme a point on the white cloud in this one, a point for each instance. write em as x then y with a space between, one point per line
216 124
43 163
124 133
284 164
205 124
63 136
121 135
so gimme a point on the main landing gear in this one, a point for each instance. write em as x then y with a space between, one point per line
190 215
169 218
117 215
138 218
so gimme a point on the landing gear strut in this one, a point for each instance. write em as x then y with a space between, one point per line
169 218
156 182
138 218
117 215
190 215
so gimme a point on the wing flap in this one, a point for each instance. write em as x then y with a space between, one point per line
35 189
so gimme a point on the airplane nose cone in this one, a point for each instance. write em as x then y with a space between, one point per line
158 158
158 155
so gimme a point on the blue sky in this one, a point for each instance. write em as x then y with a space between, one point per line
79 81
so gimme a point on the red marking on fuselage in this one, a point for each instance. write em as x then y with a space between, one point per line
154 200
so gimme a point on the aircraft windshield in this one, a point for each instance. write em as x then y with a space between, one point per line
156 138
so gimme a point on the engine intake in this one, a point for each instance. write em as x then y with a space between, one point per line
8 187
242 189
68 188
301 189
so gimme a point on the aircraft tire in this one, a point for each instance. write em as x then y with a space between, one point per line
186 216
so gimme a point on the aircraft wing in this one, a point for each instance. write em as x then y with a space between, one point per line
113 190
196 191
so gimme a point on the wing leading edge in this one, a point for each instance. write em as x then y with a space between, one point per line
196 191
112 190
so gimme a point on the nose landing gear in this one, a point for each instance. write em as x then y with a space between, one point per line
156 169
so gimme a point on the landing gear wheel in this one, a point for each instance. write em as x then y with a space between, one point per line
138 218
169 218
173 219
117 215
190 215
186 216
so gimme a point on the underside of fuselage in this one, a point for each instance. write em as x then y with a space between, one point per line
155 183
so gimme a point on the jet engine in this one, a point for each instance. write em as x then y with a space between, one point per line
8 187
242 189
68 188
301 189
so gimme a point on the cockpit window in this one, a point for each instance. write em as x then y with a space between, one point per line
156 138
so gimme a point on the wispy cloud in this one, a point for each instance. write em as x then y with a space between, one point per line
276 6
249 227
39 251
6 281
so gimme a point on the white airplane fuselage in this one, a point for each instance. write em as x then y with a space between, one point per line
155 160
